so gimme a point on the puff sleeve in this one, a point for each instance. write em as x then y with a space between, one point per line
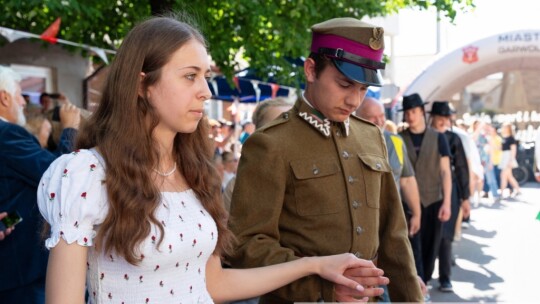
72 198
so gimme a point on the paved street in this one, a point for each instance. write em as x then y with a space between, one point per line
498 256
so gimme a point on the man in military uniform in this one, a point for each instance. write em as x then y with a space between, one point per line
317 181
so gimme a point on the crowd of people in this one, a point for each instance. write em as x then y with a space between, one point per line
149 201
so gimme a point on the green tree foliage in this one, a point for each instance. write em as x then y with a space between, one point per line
264 32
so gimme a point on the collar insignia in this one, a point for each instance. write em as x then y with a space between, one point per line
322 125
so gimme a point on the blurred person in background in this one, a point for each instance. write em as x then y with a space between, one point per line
23 162
508 160
441 122
40 127
429 152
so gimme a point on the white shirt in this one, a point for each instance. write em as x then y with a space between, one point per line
73 200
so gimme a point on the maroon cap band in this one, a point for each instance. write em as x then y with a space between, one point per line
350 46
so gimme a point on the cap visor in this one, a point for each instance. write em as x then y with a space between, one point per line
358 73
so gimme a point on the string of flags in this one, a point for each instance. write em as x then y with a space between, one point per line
244 90
49 35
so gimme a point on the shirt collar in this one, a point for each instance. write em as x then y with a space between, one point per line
318 121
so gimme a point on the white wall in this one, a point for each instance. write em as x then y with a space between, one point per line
68 68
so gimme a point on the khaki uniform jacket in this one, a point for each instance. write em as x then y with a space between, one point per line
309 187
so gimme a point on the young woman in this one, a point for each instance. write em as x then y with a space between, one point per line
508 161
136 213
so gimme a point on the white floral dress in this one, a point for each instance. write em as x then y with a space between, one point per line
73 200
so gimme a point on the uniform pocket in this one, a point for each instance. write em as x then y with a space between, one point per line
373 168
318 186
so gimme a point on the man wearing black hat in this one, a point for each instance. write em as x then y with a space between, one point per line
430 155
316 181
440 121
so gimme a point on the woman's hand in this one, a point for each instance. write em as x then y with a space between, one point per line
355 279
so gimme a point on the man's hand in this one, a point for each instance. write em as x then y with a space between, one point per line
369 277
423 286
70 116
6 232
466 208
414 224
444 212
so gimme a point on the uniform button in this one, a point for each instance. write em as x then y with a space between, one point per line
358 255
355 204
378 166
345 155
359 230
351 180
286 115
338 133
315 171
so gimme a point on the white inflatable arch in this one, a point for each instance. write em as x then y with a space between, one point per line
518 50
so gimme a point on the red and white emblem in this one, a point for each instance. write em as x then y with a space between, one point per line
470 54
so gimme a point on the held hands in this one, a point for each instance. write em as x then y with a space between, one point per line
354 279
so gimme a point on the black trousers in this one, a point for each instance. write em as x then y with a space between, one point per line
447 237
445 260
425 244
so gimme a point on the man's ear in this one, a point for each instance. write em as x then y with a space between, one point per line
309 70
4 98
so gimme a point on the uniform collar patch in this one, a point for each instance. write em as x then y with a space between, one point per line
318 121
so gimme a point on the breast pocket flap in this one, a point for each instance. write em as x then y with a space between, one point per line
375 162
313 169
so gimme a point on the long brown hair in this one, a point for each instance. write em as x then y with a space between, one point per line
119 129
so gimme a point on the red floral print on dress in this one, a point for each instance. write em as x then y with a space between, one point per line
157 267
92 167
161 283
170 248
126 277
85 241
140 279
76 225
194 243
76 152
65 173
52 195
83 195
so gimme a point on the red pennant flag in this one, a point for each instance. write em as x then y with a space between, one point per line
50 33
236 82
275 89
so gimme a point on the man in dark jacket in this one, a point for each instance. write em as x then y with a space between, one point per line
440 121
22 162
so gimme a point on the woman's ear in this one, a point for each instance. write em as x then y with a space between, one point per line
142 90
